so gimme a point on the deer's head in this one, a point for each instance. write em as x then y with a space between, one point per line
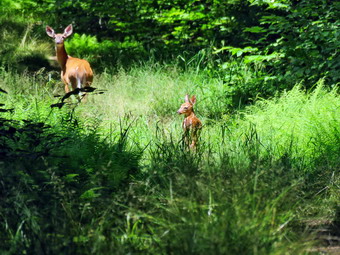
59 38
188 107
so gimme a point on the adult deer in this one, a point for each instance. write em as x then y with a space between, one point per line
191 124
74 71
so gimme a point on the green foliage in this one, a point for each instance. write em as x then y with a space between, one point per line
164 25
310 121
298 41
291 41
82 44
309 45
104 53
45 169
20 48
111 175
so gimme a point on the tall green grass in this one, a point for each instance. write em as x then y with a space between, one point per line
116 178
22 47
303 125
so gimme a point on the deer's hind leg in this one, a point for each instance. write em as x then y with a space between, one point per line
66 83
194 137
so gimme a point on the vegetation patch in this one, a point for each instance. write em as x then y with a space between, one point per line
113 175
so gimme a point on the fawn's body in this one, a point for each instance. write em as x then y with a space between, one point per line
191 124
74 71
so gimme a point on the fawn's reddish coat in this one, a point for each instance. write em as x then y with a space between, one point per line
191 124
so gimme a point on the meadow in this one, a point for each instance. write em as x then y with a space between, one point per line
111 176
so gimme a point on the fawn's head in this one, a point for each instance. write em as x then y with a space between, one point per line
59 38
188 107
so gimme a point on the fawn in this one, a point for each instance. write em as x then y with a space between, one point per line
191 124
74 71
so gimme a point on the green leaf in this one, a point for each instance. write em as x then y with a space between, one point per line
71 177
255 29
91 193
261 58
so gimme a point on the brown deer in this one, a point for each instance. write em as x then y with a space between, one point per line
74 71
191 124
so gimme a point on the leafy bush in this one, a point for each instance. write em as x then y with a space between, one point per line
295 42
105 53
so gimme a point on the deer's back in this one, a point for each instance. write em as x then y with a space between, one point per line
76 67
192 123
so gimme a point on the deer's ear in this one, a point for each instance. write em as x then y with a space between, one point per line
50 31
186 99
193 99
68 30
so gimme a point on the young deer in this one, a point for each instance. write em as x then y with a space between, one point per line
191 124
74 71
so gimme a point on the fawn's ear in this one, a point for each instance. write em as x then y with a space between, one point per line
68 30
50 31
186 99
193 99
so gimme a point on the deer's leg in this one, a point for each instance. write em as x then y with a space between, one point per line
83 83
76 84
73 82
88 81
66 82
186 138
194 138
67 89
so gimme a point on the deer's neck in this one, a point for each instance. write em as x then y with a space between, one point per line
190 115
61 55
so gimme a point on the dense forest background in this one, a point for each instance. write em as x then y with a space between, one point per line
284 41
111 176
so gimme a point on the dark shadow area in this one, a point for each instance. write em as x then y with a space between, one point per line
53 179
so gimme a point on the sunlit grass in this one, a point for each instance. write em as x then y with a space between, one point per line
255 175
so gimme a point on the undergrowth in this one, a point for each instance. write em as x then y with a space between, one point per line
111 175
